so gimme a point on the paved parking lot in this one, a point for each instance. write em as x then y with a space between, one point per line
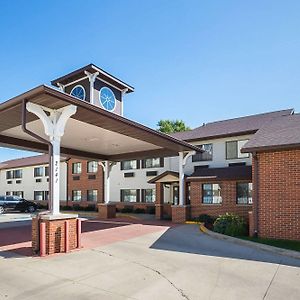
150 261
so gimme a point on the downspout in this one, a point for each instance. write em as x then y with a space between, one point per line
256 204
39 138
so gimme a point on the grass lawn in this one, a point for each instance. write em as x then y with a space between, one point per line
286 244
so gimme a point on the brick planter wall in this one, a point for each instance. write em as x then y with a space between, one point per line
55 235
180 213
106 211
279 194
228 194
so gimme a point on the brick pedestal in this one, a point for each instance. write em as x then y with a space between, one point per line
251 224
106 211
159 211
180 213
60 234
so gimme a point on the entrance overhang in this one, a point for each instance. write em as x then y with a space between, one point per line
91 133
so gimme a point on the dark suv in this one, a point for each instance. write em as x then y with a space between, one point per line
16 203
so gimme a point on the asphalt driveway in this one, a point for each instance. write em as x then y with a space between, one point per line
151 261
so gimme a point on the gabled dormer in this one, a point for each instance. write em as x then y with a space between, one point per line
96 86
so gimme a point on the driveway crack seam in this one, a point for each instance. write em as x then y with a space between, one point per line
268 288
153 270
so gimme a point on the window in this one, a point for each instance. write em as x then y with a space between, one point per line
233 149
46 195
38 195
14 174
18 193
92 167
76 168
8 193
129 195
148 195
79 92
153 163
244 193
128 164
92 195
76 195
204 156
38 172
46 171
211 193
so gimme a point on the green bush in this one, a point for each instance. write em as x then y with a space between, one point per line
150 210
139 211
230 224
127 209
207 220
66 207
91 207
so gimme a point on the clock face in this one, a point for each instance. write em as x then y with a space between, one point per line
79 92
107 99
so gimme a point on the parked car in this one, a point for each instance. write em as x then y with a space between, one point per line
16 203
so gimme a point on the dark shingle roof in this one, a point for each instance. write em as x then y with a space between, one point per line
243 125
228 173
280 133
27 161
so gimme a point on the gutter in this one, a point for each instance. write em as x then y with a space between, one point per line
39 138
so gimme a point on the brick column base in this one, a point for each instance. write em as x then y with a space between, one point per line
55 237
159 211
106 210
180 213
251 224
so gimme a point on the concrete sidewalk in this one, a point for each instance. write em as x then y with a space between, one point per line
174 263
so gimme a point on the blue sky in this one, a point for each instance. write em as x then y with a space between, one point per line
198 61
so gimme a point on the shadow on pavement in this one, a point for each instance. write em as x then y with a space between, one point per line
188 239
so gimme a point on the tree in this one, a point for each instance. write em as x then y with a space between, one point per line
170 126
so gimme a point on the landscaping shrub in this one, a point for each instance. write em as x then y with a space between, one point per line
230 224
207 220
127 209
139 211
150 210
66 207
91 207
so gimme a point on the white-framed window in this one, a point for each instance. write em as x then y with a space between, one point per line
233 149
92 195
129 164
244 193
92 166
38 195
76 195
38 171
129 195
78 91
14 174
207 155
153 163
211 193
76 168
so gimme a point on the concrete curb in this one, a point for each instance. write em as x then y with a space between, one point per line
275 250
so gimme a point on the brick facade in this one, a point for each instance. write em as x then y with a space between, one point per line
84 184
180 213
278 194
228 193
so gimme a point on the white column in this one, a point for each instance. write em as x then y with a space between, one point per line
54 126
106 181
181 178
92 77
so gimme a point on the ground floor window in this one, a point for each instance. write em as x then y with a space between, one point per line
92 195
15 193
244 193
211 193
129 195
38 195
76 195
148 195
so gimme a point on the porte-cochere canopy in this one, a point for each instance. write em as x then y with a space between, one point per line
91 133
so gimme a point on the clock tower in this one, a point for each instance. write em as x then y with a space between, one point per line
94 85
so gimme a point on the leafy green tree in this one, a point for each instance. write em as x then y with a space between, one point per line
170 126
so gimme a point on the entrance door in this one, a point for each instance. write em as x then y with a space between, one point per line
175 195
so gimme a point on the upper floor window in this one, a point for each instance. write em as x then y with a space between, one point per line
211 193
46 171
244 193
14 174
153 163
76 168
78 91
204 156
233 149
38 171
92 166
129 164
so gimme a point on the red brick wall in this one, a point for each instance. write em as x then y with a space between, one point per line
228 193
84 184
279 194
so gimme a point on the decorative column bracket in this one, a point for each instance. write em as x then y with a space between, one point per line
92 77
54 126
